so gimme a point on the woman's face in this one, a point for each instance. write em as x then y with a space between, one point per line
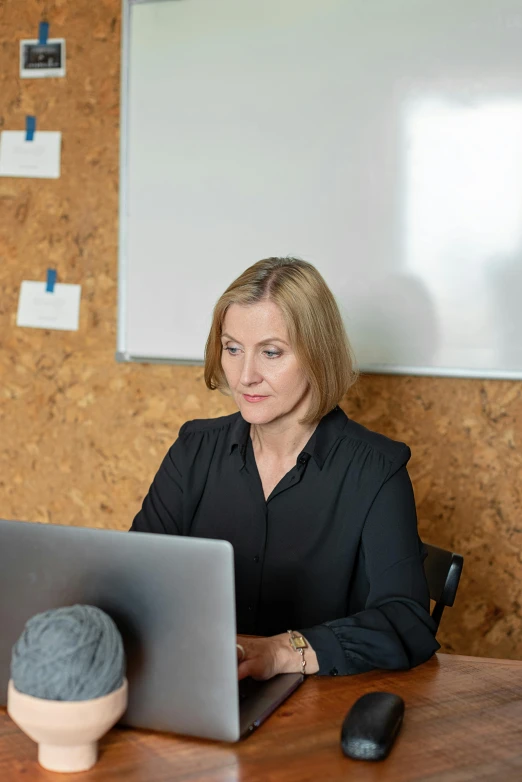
261 368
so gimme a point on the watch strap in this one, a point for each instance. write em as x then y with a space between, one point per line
298 644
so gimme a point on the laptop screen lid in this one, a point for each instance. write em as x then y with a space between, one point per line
173 601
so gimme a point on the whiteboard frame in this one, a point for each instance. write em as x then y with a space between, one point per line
122 353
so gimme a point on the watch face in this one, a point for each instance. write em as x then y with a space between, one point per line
298 642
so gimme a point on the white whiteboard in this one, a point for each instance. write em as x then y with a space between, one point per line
379 139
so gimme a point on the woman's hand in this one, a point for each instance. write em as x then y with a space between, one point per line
266 657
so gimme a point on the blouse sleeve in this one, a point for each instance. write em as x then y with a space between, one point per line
395 630
162 509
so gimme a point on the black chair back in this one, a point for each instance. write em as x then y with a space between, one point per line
443 569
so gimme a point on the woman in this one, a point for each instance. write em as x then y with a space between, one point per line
320 511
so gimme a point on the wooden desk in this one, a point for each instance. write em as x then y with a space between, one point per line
463 723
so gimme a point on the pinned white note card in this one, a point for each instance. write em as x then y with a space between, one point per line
40 308
38 157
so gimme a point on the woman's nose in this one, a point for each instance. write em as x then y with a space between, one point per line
249 372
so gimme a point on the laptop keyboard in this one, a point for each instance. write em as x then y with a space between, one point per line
249 687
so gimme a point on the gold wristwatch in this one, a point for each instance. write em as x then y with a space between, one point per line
298 644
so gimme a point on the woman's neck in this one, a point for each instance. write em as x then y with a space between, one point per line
280 441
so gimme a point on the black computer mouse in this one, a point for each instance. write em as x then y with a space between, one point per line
371 726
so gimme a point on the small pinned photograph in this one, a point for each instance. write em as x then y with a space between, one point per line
42 60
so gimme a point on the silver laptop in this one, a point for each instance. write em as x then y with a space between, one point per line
173 601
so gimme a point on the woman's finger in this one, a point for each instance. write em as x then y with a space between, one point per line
243 670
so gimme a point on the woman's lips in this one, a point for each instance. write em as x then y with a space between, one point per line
254 398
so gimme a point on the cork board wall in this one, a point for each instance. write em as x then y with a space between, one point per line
82 435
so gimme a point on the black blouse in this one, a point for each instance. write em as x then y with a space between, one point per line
334 552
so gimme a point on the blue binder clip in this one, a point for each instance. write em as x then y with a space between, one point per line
51 280
43 33
30 127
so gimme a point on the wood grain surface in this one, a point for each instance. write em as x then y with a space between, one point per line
463 723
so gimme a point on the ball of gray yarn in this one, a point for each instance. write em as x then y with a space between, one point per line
69 654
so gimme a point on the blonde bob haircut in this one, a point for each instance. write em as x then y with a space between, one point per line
314 324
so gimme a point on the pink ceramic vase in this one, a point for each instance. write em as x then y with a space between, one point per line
66 732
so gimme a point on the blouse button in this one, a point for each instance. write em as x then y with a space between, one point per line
334 672
256 559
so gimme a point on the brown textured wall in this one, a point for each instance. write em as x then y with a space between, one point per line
81 436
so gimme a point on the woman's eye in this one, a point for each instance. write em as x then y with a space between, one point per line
232 351
272 353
